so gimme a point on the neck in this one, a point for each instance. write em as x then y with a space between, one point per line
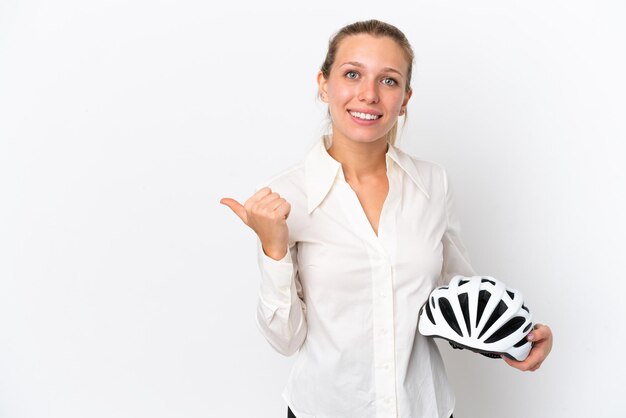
360 161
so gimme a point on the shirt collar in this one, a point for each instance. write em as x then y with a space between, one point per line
321 170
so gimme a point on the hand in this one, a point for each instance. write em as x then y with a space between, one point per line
266 213
541 336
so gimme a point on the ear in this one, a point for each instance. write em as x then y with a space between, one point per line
407 97
321 83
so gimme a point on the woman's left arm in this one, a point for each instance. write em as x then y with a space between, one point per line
456 261
541 337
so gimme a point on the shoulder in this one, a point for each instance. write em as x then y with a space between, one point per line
289 182
423 164
431 174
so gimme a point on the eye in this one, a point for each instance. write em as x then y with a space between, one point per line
351 72
390 81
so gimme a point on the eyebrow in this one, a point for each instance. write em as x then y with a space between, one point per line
358 64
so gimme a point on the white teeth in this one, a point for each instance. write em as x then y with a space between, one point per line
365 116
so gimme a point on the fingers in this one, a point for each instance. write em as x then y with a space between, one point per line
541 336
236 207
281 206
535 333
539 332
269 204
259 195
264 202
530 364
241 210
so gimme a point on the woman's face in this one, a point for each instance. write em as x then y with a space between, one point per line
365 90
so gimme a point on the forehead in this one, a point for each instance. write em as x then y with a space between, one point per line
371 51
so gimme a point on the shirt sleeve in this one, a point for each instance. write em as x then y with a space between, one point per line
281 310
456 260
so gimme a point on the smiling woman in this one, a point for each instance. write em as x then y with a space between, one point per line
351 242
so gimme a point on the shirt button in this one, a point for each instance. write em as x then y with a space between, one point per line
385 366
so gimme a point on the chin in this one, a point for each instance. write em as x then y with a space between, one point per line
363 137
366 138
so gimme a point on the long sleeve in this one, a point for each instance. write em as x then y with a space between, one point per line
281 311
455 257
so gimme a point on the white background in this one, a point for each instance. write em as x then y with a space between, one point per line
127 290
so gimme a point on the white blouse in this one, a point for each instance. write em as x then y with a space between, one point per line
347 300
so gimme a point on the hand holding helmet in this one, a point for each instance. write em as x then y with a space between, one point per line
541 337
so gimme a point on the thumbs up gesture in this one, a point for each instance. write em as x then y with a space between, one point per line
266 213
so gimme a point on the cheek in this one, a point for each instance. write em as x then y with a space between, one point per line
338 101
339 95
395 101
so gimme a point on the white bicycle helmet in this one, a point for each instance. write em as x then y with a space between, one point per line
480 314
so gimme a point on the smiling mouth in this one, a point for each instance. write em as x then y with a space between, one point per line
364 116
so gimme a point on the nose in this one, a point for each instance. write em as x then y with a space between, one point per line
368 91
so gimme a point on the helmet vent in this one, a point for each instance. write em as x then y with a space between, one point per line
507 329
483 298
448 314
528 327
462 282
488 281
463 301
511 294
430 314
525 308
495 315
521 343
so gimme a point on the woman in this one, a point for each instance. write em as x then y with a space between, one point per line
352 240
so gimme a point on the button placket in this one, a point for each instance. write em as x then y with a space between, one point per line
378 248
384 341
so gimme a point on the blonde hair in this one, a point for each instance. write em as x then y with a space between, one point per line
378 29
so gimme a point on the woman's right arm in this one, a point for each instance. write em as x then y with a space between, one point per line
281 309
